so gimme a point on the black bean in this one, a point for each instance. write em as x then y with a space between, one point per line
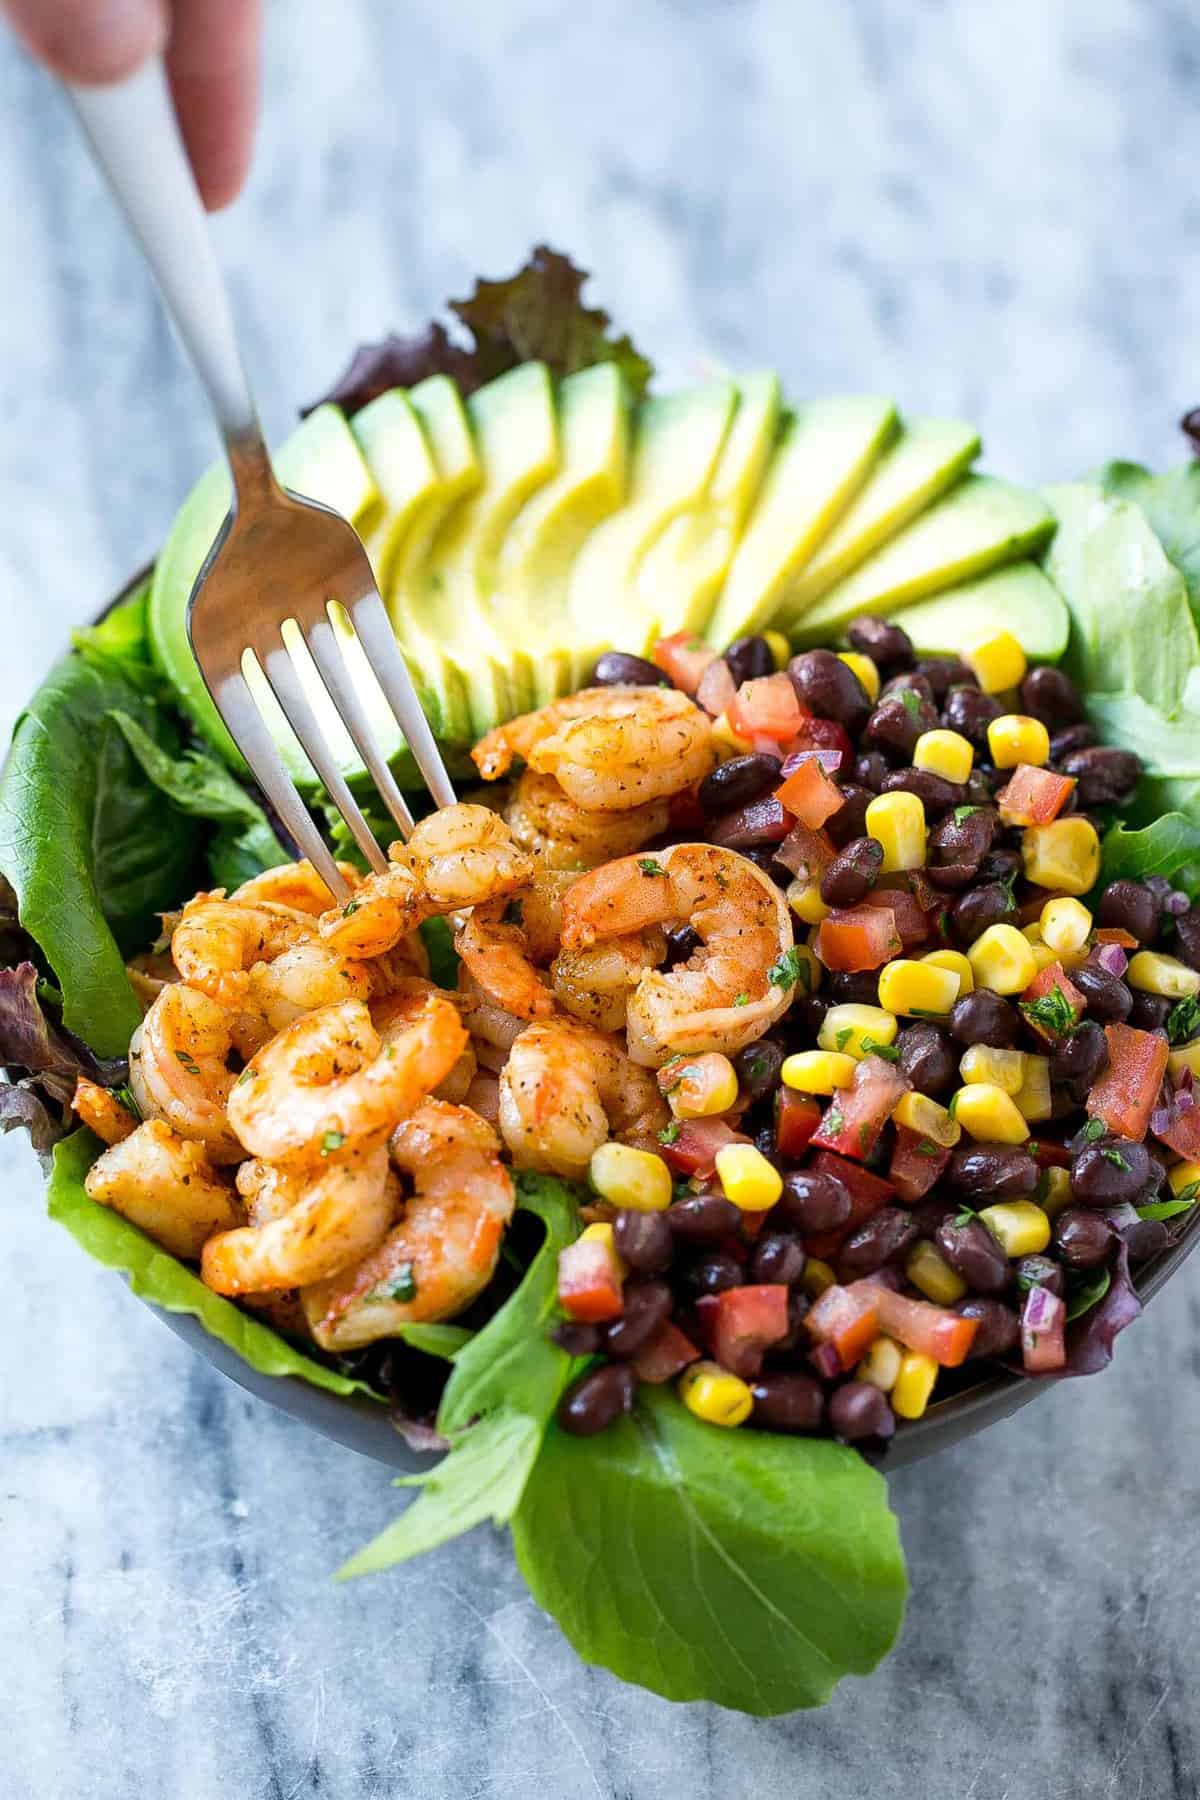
857 1410
829 687
852 873
597 1399
973 1253
927 1059
969 711
616 668
777 1257
1038 1271
758 1067
1049 695
1075 737
1149 1012
1108 998
736 782
898 721
1187 937
885 1235
749 658
761 822
1110 1171
812 1202
703 1218
1144 1237
871 769
1129 906
963 837
788 1402
909 679
986 1172
999 1327
647 1306
682 941
713 1274
643 1240
850 820
805 1016
577 1339
1078 1058
985 1018
1000 865
1083 1239
934 792
944 672
951 878
1105 776
763 857
991 903
982 786
888 646
931 1212
852 987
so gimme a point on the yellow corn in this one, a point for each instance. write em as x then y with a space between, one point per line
928 1270
602 1233
779 647
998 663
817 1277
881 1365
857 1030
915 988
1002 959
1066 925
1032 1098
928 1118
1002 1068
956 962
1043 956
1016 738
914 1384
699 1087
1064 854
1020 1227
1186 1057
727 741
944 753
1056 1190
989 1114
749 1180
804 898
817 1071
1152 973
897 822
711 1393
1184 1176
630 1178
865 669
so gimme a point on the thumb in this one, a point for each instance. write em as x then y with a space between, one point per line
92 42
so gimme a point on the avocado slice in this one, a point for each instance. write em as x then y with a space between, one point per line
1020 598
536 558
685 566
677 441
826 452
927 458
980 525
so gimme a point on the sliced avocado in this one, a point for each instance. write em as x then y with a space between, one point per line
683 569
677 441
1019 598
980 525
928 457
825 454
528 607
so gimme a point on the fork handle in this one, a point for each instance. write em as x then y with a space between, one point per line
136 141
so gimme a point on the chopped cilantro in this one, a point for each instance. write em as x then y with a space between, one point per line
965 1214
911 701
1052 1011
758 1066
351 906
924 1012
124 1096
1183 1020
952 1109
1095 1128
670 1133
648 866
964 812
1171 1209
928 1148
741 999
785 973
843 1037
333 1140
189 1062
401 1286
833 1121
1116 1159
873 1047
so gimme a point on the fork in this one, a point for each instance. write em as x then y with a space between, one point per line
278 557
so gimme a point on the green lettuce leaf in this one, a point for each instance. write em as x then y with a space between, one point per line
736 1567
1169 847
1171 503
120 643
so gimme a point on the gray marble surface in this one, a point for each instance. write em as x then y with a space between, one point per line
986 209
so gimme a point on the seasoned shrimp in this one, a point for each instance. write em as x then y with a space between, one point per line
722 997
565 836
166 1186
178 1069
328 1080
295 885
566 1089
496 951
595 984
338 1213
443 1250
492 1030
102 1112
149 974
304 978
399 1009
609 748
217 942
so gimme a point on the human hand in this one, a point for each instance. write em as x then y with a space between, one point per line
212 53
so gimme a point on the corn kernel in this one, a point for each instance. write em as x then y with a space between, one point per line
944 753
630 1178
957 963
779 647
1002 960
727 741
989 1114
928 1270
1020 1227
804 898
817 1071
1064 854
1186 1057
711 1393
1016 738
914 1384
865 669
897 822
1151 973
928 1118
816 1278
1183 1177
1033 931
998 663
602 1233
699 1087
1032 1099
881 1365
749 1180
1043 956
916 988
1066 925
857 1030
1002 1068
1055 1190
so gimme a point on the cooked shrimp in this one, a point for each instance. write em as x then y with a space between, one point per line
178 1069
566 1089
338 1213
609 748
492 1030
722 997
595 984
304 978
483 1096
102 1111
296 885
496 951
563 835
217 942
444 1248
396 1011
166 1186
149 974
328 1080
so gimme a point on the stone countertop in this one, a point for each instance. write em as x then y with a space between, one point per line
986 211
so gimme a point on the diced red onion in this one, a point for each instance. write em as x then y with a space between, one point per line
1160 1120
717 688
1112 958
826 1361
1176 904
1121 1216
1184 1081
1184 1100
1159 886
830 761
1043 1319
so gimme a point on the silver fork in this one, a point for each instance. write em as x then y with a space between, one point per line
278 557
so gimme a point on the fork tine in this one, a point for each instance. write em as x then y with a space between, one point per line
369 618
245 723
325 652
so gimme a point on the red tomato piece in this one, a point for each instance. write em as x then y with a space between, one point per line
912 921
867 1194
742 1322
797 1117
856 1115
919 1325
589 1281
1113 934
667 1352
1049 983
716 688
858 937
766 706
917 1162
694 1145
846 1320
684 657
1126 1093
1043 1332
1049 1156
828 738
1183 1132
1033 796
811 793
807 853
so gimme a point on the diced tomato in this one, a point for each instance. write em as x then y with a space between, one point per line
917 1162
912 921
827 737
694 1145
1049 983
1182 1132
684 657
811 793
763 745
1043 1332
766 706
1033 796
846 1320
1125 1095
867 1194
667 1352
589 1281
858 937
686 818
742 1322
1113 934
919 1325
807 853
716 688
856 1115
1049 1156
797 1117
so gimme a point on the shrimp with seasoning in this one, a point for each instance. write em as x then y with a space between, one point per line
399 1009
294 885
103 1111
492 1030
495 949
166 1186
178 1069
337 1213
566 1089
217 942
723 996
565 836
595 984
443 1250
301 980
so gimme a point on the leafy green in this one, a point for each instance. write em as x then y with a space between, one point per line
1171 503
1088 1294
1169 847
120 643
438 939
1183 1020
1052 1011
746 1569
436 1340
785 972
1168 1209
